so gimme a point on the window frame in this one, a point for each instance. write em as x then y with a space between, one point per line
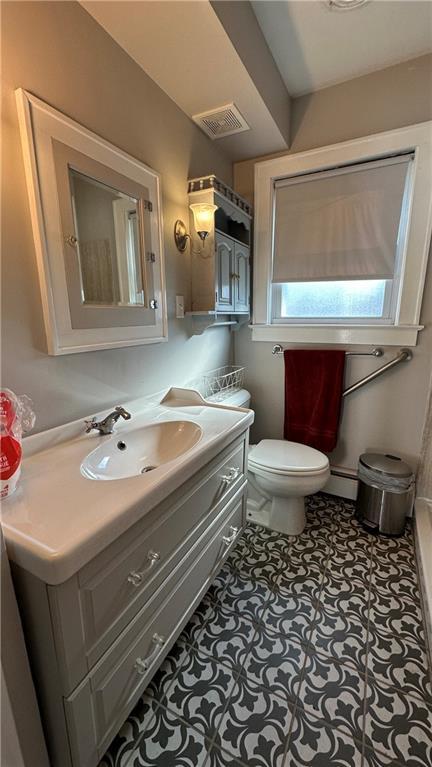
411 261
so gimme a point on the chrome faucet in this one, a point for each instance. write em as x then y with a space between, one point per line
107 425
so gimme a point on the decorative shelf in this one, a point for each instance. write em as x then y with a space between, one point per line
202 321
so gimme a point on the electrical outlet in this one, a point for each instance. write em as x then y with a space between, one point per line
179 307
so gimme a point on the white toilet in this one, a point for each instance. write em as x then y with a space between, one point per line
282 473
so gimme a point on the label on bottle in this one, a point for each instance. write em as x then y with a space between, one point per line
10 456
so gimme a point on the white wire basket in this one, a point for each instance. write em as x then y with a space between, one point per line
219 382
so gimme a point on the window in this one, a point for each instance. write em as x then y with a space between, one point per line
341 240
351 299
337 236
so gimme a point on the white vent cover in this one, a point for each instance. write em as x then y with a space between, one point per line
221 122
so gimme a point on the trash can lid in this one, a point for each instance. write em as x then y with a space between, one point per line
386 463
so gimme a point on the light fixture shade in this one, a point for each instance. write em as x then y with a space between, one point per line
203 214
345 5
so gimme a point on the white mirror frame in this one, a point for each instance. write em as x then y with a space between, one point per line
404 331
39 125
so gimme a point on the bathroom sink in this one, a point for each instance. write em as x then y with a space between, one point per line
140 451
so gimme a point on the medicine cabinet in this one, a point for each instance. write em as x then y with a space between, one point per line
96 217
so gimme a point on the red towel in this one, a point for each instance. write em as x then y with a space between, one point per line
313 396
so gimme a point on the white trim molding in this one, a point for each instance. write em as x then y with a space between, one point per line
404 330
423 534
386 335
41 127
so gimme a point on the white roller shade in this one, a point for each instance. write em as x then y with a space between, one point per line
341 224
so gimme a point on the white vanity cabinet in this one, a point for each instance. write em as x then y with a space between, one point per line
96 640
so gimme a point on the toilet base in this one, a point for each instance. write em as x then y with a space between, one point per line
284 515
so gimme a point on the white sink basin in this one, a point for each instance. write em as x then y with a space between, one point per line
140 451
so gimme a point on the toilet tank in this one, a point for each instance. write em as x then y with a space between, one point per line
239 398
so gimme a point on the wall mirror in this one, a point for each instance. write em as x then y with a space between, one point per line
96 216
110 257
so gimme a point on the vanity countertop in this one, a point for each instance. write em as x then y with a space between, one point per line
58 520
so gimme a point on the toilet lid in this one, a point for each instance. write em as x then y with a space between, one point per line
282 456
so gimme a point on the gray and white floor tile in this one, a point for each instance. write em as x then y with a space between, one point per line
246 596
199 692
346 596
255 725
399 663
290 616
125 743
398 725
300 578
334 693
337 635
226 637
313 744
169 742
275 662
305 652
393 616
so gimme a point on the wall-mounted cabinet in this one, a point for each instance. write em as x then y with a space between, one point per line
221 264
232 275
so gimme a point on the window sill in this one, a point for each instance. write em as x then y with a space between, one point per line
386 335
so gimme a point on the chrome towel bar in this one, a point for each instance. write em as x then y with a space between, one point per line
277 349
405 355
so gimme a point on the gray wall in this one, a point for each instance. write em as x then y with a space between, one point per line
389 413
58 52
391 98
241 25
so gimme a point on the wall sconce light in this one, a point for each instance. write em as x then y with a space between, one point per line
180 235
203 214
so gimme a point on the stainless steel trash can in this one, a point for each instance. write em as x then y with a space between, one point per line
385 494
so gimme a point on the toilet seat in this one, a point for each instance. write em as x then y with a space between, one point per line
264 471
284 458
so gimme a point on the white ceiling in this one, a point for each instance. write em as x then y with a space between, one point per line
184 48
314 46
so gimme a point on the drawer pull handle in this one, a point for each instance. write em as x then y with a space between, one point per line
142 665
228 539
136 578
232 474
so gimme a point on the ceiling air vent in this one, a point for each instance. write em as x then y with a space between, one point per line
221 122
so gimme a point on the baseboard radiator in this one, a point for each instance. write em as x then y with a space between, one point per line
342 482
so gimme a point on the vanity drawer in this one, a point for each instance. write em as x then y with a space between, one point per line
115 684
116 585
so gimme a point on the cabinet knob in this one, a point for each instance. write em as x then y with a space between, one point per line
142 665
71 240
229 539
136 577
232 474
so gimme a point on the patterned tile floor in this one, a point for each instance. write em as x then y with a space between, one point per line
305 651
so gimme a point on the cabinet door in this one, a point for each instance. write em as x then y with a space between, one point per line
241 278
224 273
